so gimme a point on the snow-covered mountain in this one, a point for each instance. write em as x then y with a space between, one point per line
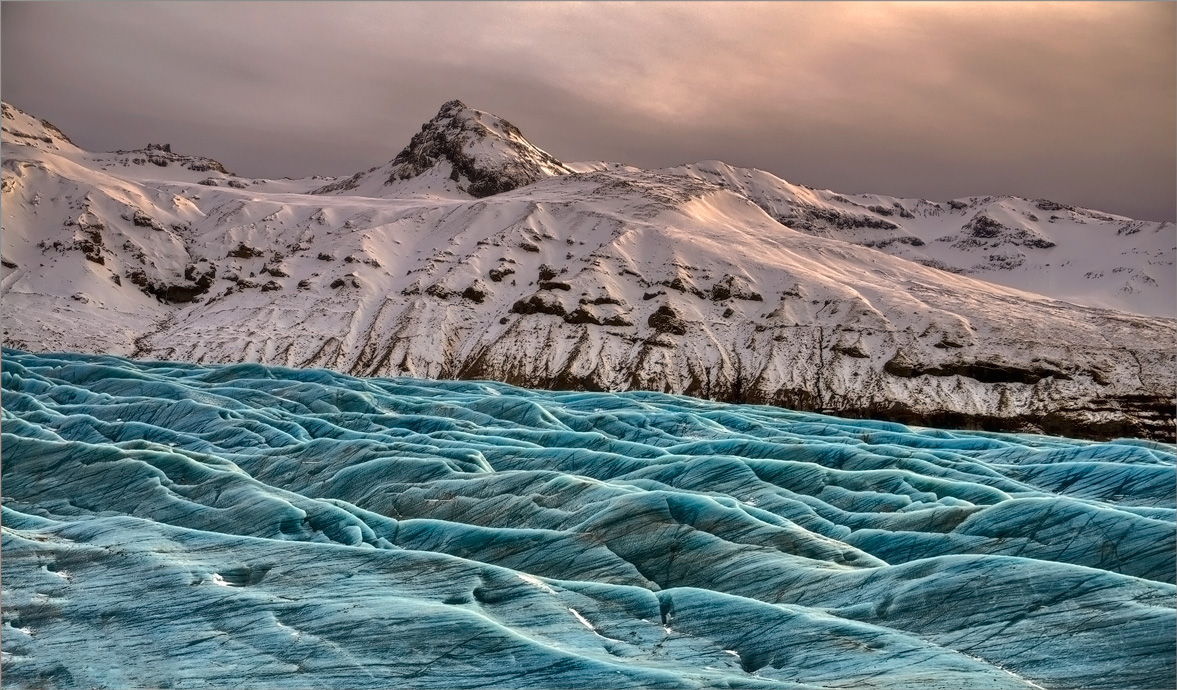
462 152
1037 245
474 254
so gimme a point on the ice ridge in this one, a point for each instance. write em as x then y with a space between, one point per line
180 525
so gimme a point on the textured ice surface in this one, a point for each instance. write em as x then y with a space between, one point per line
176 525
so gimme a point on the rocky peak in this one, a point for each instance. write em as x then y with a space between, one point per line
485 154
163 156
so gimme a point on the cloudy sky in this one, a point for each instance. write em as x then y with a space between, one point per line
1075 102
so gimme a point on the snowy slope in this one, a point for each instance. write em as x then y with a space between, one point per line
595 276
1076 254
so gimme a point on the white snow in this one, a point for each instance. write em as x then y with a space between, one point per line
400 279
1098 259
584 621
536 582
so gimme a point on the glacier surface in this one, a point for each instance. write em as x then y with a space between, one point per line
179 525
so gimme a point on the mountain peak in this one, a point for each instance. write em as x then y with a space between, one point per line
483 153
21 128
450 106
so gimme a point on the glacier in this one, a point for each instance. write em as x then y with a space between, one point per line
177 525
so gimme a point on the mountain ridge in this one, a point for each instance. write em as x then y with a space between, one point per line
596 277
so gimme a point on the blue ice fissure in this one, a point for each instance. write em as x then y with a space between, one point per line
179 525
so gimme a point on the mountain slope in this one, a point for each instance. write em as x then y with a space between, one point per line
1070 253
612 278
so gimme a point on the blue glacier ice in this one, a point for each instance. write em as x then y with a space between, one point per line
172 525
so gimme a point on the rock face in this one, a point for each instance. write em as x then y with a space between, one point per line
606 279
245 526
161 155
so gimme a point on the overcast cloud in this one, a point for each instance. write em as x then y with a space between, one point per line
1075 102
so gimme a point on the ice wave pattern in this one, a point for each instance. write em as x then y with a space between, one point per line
174 525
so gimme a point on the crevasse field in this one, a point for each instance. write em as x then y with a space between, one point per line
174 525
